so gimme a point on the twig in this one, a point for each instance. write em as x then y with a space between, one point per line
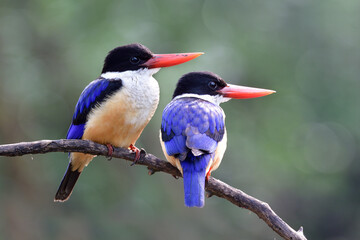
154 164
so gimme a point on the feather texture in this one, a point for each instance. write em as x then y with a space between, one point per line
194 171
191 123
94 94
191 131
75 131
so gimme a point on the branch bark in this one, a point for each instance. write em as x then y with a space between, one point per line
154 164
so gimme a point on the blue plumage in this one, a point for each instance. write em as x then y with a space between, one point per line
194 172
108 114
197 117
75 131
176 145
193 134
201 142
94 94
191 130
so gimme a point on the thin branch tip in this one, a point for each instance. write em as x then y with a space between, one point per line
209 194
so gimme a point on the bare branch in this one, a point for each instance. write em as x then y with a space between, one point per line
154 164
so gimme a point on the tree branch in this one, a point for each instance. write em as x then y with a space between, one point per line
154 164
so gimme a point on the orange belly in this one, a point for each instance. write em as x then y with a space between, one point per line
117 122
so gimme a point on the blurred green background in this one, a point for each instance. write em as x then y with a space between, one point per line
296 149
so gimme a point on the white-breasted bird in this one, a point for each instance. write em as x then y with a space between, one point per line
115 108
193 134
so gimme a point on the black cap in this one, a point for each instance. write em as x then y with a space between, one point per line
201 83
127 57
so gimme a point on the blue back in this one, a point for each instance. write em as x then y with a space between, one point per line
191 129
191 123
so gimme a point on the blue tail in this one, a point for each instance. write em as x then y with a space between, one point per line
194 170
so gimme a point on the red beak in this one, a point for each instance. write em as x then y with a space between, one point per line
168 60
239 92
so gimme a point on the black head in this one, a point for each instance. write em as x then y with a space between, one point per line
128 57
201 83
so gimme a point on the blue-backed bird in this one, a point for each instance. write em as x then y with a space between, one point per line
115 108
193 133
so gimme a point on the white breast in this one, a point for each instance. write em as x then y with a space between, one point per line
142 92
122 117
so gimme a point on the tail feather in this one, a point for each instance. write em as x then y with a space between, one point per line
194 171
67 184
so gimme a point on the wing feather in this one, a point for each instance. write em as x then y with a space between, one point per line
191 124
93 95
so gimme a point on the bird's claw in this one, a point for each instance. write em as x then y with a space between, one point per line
208 174
137 154
176 177
110 151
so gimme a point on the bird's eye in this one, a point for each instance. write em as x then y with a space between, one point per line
212 85
134 60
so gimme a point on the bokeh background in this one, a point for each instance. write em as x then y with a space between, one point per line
296 149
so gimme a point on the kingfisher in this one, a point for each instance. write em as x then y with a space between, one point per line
193 134
115 108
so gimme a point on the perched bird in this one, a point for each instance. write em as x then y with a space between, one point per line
193 133
115 108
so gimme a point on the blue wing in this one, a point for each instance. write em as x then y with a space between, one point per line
75 131
94 94
191 124
191 129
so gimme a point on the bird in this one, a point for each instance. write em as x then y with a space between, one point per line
193 134
115 108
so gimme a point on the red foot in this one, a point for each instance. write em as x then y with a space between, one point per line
110 151
137 153
208 174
